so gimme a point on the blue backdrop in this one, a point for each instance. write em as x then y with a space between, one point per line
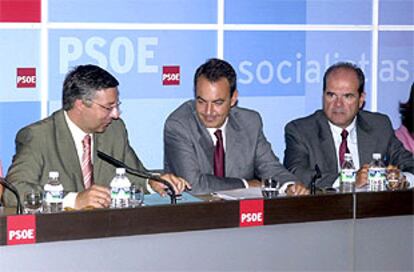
279 48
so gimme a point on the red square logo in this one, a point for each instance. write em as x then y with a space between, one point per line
171 75
26 78
20 11
251 213
21 229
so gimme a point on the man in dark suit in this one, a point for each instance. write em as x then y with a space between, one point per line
192 145
316 139
90 111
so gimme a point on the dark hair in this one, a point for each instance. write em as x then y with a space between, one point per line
347 66
215 69
83 81
407 111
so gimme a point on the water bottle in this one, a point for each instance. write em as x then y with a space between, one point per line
348 174
53 194
376 173
120 189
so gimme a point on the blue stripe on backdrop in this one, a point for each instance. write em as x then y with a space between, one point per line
134 11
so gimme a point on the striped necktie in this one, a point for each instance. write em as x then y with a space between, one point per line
87 168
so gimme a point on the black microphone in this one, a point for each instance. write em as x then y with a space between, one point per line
12 188
314 178
139 173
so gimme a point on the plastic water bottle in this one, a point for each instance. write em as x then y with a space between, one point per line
376 173
53 194
120 189
348 174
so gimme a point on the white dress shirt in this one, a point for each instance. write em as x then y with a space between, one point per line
77 135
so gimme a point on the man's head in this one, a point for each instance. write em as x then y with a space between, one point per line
343 93
90 96
215 92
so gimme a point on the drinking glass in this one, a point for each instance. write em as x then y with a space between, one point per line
270 188
137 196
393 178
33 201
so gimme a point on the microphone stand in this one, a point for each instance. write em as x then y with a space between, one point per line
314 178
139 173
12 188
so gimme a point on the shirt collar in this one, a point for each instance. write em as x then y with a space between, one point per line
336 131
77 133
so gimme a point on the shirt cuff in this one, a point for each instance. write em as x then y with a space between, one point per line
149 188
282 189
410 178
69 200
246 184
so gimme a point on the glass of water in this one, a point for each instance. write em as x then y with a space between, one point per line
270 188
137 196
33 201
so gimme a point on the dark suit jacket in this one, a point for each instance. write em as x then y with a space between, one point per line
309 141
48 145
189 149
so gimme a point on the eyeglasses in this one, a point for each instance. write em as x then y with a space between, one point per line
108 109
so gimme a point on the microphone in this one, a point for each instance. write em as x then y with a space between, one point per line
12 188
139 173
314 178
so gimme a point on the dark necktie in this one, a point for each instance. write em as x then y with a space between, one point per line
87 168
343 148
219 155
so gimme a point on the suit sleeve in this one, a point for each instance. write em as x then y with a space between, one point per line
131 159
298 158
180 159
25 171
266 163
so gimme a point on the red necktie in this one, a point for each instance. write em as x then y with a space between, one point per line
87 169
219 155
343 148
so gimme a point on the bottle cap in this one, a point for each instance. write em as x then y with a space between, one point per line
53 174
376 156
120 171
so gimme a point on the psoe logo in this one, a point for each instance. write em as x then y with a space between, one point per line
21 229
26 78
251 213
171 75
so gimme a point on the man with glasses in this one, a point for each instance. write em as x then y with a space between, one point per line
319 138
68 141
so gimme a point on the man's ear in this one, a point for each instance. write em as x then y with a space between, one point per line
361 100
234 98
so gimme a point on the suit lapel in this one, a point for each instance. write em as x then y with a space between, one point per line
327 145
233 144
204 141
66 150
366 143
97 163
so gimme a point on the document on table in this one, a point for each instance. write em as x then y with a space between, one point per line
236 194
156 199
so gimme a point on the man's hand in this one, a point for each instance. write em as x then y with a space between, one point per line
179 184
96 196
362 176
254 183
297 188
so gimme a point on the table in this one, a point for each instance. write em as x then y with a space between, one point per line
361 231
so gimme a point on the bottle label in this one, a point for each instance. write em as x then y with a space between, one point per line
120 192
55 196
348 175
376 175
